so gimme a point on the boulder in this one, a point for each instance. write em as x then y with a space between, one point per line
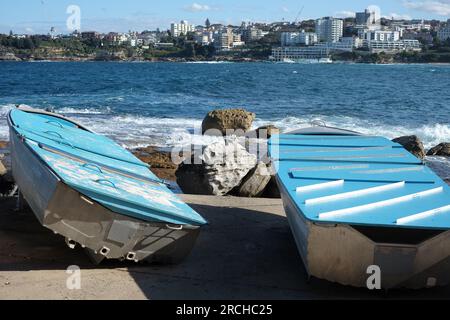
155 157
442 150
413 145
7 184
160 162
272 191
255 182
2 169
218 170
230 119
266 132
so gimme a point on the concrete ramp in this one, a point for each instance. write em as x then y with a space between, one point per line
246 252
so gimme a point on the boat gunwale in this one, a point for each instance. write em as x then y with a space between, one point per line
316 220
167 213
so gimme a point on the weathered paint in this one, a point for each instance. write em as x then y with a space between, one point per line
103 171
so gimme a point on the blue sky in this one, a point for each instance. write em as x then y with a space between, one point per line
37 16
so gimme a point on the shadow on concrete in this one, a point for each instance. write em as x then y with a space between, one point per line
242 254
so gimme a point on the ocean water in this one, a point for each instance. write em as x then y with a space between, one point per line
164 103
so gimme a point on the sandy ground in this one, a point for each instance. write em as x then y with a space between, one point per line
247 252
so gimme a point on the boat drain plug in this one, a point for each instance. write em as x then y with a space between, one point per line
70 243
132 256
105 251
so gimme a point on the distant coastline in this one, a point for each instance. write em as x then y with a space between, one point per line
95 59
380 58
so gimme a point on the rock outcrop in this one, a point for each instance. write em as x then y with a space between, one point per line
255 183
442 150
160 162
231 119
413 145
2 169
272 190
7 184
266 132
217 171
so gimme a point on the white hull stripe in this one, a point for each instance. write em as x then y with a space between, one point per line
375 205
423 215
355 194
320 186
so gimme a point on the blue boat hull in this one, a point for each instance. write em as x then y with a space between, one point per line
342 254
103 233
346 253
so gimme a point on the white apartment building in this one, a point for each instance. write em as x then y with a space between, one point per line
204 38
415 25
251 33
394 46
336 46
177 29
353 42
329 29
444 33
145 39
224 38
298 38
297 53
381 35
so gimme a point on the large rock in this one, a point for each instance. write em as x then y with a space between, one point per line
217 171
160 162
255 182
441 150
272 190
413 145
7 184
2 169
231 119
266 132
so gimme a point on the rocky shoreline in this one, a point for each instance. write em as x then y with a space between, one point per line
11 57
228 167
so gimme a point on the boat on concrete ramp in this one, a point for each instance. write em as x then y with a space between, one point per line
88 189
362 206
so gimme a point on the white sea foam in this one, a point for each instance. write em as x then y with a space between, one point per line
132 130
75 111
208 62
140 131
431 135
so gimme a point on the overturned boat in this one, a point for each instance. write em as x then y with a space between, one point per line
94 193
358 205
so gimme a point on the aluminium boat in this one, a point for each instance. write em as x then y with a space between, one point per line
360 205
88 189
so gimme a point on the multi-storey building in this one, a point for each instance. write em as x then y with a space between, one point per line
329 29
444 33
182 28
298 38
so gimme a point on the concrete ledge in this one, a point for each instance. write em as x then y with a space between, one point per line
247 252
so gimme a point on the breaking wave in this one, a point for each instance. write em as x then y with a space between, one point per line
134 130
75 111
